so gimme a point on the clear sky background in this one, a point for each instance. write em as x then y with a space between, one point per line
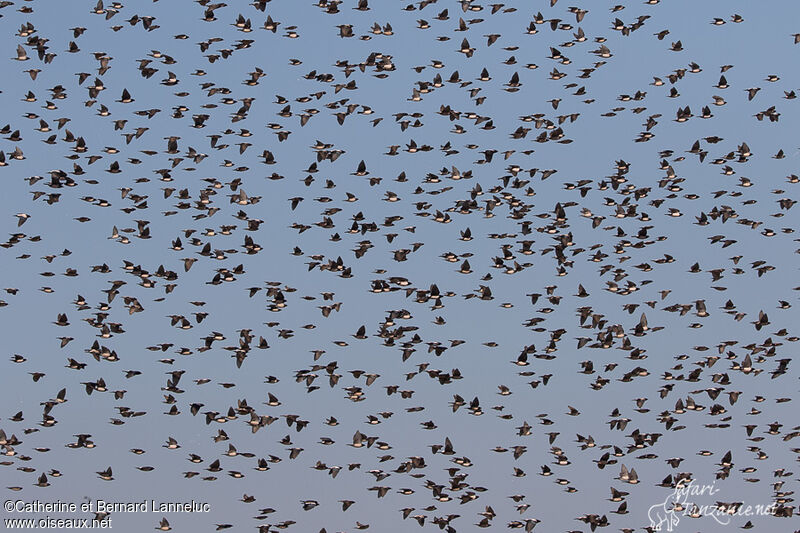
603 133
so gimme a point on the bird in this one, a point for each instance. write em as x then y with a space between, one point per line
491 239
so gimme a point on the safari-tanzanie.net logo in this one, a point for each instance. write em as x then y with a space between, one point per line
693 500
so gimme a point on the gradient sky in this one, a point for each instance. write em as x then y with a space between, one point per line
603 134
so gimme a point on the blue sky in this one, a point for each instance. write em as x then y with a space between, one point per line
602 133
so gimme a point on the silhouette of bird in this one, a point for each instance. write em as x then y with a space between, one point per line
515 237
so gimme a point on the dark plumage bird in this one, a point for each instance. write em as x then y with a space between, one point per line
185 257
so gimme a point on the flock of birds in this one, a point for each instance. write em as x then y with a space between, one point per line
427 263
